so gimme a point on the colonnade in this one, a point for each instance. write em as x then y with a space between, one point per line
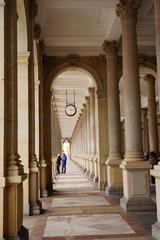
134 170
83 141
96 143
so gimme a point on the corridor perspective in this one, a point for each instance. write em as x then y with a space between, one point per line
80 78
78 210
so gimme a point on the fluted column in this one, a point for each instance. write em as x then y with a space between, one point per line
13 203
145 130
2 174
47 139
114 172
85 136
34 202
88 133
102 148
152 113
92 131
135 170
43 165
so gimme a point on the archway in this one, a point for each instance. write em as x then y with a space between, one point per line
71 87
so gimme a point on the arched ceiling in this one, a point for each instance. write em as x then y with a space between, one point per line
73 79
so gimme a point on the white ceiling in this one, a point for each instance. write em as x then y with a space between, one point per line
77 26
80 27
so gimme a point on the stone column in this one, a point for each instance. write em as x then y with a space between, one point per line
85 136
35 204
102 147
2 178
135 170
13 170
152 113
114 172
145 130
47 139
43 165
88 133
92 131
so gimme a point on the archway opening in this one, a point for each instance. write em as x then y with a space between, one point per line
70 89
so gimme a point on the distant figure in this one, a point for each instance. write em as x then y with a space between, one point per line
64 162
58 163
153 161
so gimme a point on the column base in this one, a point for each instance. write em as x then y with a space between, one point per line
114 190
88 172
156 230
43 193
138 204
91 175
35 208
84 170
101 185
96 179
23 234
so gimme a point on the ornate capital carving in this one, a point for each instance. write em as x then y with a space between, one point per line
37 31
33 8
128 8
149 78
111 48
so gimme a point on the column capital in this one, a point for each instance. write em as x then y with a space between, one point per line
2 3
33 8
87 99
110 48
127 9
144 110
84 105
149 78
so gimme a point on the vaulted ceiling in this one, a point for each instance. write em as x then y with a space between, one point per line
80 27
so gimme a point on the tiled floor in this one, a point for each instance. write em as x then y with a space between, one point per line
79 211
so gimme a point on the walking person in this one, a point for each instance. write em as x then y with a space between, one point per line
64 162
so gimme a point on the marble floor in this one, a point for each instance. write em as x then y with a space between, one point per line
79 211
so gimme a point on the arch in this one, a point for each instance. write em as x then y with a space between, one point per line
84 67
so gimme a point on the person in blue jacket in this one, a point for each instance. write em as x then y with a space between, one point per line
64 162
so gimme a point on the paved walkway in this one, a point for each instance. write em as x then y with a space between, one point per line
79 211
